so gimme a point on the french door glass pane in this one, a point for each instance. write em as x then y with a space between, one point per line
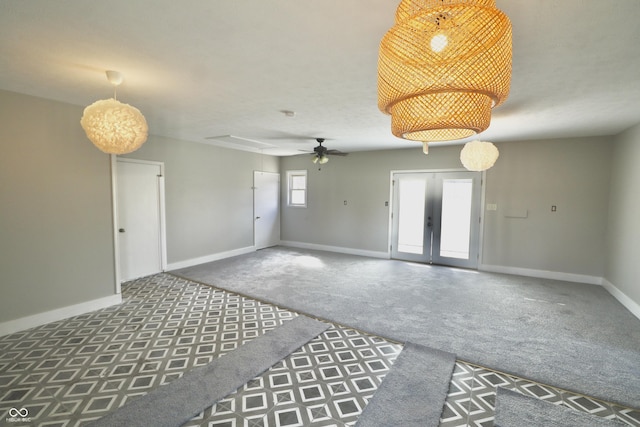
411 212
456 218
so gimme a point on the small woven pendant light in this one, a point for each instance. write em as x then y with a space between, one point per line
442 67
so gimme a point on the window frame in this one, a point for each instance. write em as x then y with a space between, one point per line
291 174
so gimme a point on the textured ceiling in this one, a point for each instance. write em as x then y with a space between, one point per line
204 68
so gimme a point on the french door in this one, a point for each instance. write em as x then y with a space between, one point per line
436 217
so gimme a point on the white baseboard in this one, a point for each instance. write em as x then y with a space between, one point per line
630 304
542 274
209 258
338 249
32 321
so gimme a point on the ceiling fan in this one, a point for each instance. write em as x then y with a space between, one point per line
321 153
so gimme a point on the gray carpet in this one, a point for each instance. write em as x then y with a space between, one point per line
516 410
413 392
569 335
177 402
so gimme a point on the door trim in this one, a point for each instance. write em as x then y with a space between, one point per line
408 171
114 204
114 216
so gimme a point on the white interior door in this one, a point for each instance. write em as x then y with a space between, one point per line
140 218
436 217
266 209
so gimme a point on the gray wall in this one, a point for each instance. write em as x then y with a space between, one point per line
572 174
362 179
623 266
209 200
56 242
56 237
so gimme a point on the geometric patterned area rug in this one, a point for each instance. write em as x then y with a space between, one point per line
77 370
80 368
177 402
472 398
514 410
70 372
328 381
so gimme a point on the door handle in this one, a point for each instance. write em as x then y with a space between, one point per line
257 217
121 230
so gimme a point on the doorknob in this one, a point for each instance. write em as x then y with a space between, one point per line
121 230
257 217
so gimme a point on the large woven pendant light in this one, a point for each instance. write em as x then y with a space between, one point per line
114 127
443 66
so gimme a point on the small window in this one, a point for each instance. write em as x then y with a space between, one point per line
297 188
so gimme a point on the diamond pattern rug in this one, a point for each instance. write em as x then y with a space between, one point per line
328 381
73 371
70 372
472 393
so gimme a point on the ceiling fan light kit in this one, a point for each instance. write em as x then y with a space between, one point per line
114 127
320 159
321 153
442 67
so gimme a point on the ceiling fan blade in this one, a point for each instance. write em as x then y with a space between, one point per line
336 153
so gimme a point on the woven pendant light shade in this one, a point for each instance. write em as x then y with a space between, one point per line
114 127
443 66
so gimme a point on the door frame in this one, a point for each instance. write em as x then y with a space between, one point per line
114 204
391 207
